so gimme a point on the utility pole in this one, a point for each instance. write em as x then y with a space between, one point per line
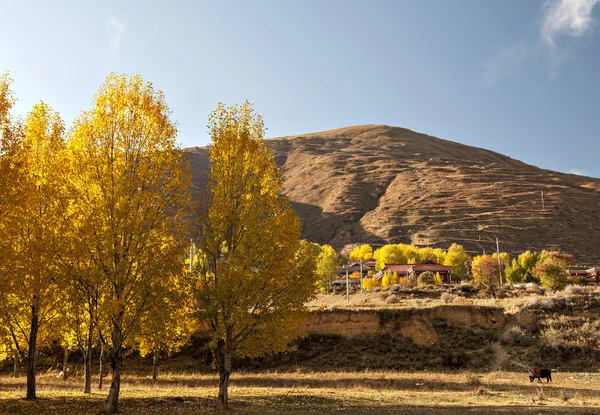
347 290
499 262
191 254
361 290
543 206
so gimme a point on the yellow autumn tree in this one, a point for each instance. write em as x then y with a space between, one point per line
131 185
31 295
457 258
168 324
363 252
253 275
327 264
11 135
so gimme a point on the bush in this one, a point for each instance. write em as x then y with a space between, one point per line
389 278
447 297
466 288
392 299
577 281
474 381
514 336
426 278
370 283
438 279
574 290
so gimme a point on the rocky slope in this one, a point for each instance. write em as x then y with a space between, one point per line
379 184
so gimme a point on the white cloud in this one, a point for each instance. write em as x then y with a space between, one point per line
576 171
506 61
115 29
566 17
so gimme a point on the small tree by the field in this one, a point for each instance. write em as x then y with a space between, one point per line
131 187
253 274
527 261
355 275
457 258
551 270
513 273
370 282
485 271
389 278
426 278
327 263
167 324
438 279
363 252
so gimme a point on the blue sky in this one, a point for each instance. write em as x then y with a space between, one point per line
518 77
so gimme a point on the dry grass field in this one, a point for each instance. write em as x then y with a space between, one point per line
299 393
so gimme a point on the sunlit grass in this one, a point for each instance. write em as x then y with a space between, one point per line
317 392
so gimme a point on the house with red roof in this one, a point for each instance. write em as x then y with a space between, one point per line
412 271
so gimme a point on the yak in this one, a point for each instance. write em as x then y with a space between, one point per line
540 373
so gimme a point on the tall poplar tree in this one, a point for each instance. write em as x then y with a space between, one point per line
132 185
253 275
32 284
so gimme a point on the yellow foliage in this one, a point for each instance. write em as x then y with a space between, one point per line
438 279
255 275
389 278
363 252
130 185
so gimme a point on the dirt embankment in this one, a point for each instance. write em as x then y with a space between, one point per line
415 324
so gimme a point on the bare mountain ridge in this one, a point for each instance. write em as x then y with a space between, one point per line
379 184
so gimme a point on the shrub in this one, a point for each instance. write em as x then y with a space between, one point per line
474 381
574 290
426 278
514 336
370 284
389 278
466 288
514 273
448 298
403 282
551 275
392 299
438 279
582 281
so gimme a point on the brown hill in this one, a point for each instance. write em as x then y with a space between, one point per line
379 184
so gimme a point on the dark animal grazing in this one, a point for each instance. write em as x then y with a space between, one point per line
540 373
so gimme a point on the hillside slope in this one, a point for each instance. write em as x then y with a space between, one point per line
379 184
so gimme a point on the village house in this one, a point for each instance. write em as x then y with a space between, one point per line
412 271
592 275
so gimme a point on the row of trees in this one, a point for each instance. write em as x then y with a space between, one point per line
455 256
547 267
96 221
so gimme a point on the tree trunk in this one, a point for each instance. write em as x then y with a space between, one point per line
16 364
87 369
31 354
87 361
101 360
224 372
112 401
155 366
66 364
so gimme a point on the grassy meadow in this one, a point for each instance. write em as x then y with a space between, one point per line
371 392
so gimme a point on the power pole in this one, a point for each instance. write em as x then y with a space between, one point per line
499 262
347 290
543 206
191 254
361 290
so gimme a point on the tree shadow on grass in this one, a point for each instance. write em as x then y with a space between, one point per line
275 404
